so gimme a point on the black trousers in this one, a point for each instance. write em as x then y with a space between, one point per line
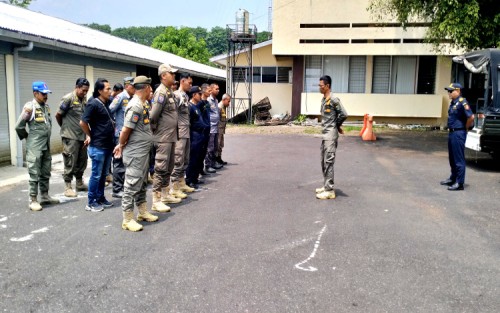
118 175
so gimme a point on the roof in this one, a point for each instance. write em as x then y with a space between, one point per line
23 24
222 57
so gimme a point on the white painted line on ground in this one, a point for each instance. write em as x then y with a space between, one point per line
3 219
25 238
313 254
41 230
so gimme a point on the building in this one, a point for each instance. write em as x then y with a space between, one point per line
34 47
376 68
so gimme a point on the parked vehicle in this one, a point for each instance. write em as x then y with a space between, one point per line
481 80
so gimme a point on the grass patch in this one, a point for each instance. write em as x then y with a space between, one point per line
351 128
312 130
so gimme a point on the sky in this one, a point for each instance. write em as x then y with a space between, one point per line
191 13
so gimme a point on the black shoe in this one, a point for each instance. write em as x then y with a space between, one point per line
199 181
456 186
203 173
447 182
217 166
192 185
221 161
210 170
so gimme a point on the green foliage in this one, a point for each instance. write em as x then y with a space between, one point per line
301 118
264 36
105 28
351 128
467 24
21 3
217 41
143 35
183 43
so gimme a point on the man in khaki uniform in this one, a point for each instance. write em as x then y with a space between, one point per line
135 142
333 115
164 119
226 100
182 147
74 150
36 115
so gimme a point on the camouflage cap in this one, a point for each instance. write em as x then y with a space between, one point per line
166 68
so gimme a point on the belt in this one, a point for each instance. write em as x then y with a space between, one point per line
451 130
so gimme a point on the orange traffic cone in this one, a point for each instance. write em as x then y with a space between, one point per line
365 121
368 133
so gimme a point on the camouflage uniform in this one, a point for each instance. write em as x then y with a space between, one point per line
333 115
38 157
73 137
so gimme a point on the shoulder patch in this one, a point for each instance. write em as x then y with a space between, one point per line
135 118
460 99
161 98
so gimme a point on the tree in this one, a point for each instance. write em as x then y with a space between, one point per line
143 35
183 43
217 41
105 28
264 36
466 24
20 3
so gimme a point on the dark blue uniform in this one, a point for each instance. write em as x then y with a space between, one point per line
198 132
458 113
204 107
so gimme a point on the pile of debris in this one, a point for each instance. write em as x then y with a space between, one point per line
261 115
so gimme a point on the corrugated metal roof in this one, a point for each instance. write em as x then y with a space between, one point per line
24 21
224 56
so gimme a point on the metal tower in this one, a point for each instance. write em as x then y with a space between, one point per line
240 39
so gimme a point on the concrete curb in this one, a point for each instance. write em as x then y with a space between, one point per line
10 175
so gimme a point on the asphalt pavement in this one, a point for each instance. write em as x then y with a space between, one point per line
255 239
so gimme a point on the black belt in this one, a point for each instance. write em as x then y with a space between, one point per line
451 130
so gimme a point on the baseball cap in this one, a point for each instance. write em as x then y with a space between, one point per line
128 80
142 80
453 86
166 68
41 87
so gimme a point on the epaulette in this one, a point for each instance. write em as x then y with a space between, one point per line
460 99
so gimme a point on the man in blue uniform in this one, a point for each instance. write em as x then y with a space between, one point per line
117 107
460 119
198 127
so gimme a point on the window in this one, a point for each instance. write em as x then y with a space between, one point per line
347 72
284 74
404 74
337 67
313 73
357 74
256 75
381 74
268 74
240 74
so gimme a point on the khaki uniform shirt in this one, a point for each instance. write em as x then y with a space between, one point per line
223 119
137 118
164 115
37 117
183 111
333 115
71 110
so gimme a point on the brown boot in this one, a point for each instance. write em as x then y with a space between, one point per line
69 192
166 197
34 205
129 223
176 191
158 205
144 215
183 187
80 185
46 199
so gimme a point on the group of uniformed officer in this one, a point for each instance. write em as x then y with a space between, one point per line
164 125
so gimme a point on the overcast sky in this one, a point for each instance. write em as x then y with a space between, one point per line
192 13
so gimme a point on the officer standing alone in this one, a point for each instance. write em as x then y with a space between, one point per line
36 115
134 146
460 119
333 115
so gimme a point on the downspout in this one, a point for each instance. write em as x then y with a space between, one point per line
29 47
